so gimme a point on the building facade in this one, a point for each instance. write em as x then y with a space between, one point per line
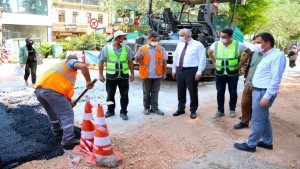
73 17
26 18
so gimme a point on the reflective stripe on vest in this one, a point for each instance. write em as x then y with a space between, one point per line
114 64
60 79
227 60
145 62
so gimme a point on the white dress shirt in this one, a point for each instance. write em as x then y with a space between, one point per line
195 56
269 72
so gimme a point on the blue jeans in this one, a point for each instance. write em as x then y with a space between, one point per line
221 82
261 124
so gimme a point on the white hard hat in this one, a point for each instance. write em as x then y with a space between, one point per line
119 33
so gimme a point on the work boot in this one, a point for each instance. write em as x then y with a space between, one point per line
26 83
218 115
146 112
57 132
123 116
232 113
109 114
73 141
158 112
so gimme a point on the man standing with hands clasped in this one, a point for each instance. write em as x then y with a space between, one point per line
266 81
153 68
118 58
189 62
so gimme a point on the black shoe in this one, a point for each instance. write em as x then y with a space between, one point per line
266 146
73 141
193 115
109 114
124 116
57 132
240 126
244 147
179 112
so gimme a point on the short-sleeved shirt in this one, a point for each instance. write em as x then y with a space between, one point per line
243 48
70 64
117 52
256 58
152 51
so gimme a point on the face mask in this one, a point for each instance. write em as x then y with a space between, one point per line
216 4
125 42
258 48
181 39
223 40
153 43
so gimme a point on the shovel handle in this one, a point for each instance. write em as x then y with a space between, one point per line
79 97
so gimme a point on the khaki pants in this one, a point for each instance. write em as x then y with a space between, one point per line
246 104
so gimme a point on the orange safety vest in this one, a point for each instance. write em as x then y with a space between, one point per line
60 79
145 62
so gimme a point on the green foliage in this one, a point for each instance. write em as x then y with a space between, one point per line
62 55
46 48
250 16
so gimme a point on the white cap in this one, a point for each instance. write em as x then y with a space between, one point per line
119 33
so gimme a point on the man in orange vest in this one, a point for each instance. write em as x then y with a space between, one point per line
54 91
153 68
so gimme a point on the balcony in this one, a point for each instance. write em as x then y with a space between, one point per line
84 2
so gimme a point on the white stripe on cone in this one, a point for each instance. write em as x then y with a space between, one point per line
87 116
102 141
100 120
87 134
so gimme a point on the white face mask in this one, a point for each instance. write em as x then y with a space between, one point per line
125 42
216 4
181 39
153 43
223 40
258 48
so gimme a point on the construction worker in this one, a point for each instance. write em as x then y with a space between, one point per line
246 102
30 58
225 56
153 68
54 91
118 57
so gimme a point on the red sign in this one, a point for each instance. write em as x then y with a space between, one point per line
94 23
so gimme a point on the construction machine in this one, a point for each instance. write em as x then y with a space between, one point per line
197 15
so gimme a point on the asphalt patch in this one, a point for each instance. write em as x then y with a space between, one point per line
26 136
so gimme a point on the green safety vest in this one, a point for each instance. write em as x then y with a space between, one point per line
116 66
227 61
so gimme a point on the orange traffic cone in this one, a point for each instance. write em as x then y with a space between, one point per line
102 141
87 129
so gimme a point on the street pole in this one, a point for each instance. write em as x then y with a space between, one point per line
233 13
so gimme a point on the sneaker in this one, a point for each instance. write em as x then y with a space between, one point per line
266 146
57 132
240 126
232 114
218 115
244 147
109 114
73 141
33 85
146 112
26 83
124 116
158 112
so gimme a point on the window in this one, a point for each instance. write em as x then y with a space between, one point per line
36 7
61 16
100 18
89 17
75 14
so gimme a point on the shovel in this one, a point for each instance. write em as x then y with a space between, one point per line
79 97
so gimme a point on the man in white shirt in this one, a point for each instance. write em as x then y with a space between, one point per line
189 61
266 81
225 54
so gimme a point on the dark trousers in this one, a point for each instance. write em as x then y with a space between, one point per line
111 87
30 68
221 82
186 80
151 89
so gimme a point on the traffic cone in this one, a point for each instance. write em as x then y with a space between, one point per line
87 132
102 141
87 129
